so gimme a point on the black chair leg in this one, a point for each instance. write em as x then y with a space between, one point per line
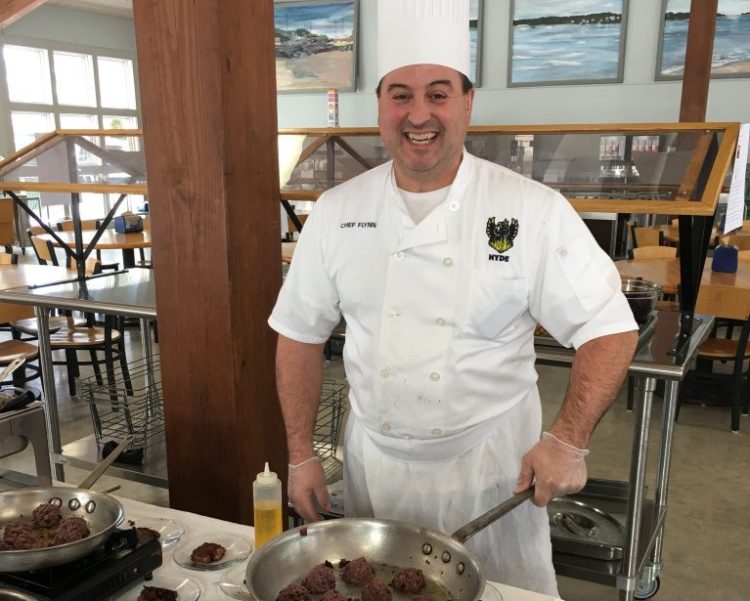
736 405
95 367
122 357
71 364
19 376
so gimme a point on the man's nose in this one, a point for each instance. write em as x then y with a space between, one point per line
419 112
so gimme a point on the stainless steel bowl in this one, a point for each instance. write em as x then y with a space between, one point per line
642 296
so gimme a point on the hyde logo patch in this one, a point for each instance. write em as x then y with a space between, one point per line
500 237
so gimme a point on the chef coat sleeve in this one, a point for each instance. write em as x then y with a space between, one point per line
576 288
307 308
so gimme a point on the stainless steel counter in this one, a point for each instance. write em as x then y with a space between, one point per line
638 571
129 293
652 358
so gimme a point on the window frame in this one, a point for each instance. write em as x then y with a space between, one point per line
7 136
6 141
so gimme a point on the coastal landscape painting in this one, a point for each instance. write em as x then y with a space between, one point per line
566 41
731 55
476 9
316 45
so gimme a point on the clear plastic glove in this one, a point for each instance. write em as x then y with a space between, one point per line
555 467
307 489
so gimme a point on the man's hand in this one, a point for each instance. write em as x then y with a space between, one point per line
555 467
307 489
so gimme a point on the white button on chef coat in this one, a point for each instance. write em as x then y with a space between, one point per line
494 299
448 262
434 376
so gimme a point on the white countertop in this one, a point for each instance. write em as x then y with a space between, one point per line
197 525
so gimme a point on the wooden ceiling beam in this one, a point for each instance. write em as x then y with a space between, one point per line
698 59
12 10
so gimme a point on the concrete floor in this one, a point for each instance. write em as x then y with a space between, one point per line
707 530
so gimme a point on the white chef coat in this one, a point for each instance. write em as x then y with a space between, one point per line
439 338
439 343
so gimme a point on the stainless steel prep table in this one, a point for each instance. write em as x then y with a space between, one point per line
644 518
129 293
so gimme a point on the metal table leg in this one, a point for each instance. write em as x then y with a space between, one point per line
32 425
50 394
653 567
626 581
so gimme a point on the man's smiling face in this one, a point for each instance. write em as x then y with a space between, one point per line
423 115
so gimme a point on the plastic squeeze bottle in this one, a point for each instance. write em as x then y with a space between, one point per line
266 506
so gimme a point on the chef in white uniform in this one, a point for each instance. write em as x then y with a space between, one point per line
441 265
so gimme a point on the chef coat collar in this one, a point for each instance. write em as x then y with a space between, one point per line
443 223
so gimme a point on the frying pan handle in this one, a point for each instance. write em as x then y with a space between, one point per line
101 468
488 518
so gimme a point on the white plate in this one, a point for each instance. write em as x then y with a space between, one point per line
491 593
237 550
169 530
233 584
187 589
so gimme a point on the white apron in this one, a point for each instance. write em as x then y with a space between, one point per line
430 490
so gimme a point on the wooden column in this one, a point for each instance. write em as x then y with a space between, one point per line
208 97
12 10
700 45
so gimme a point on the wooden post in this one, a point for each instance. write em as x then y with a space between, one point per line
208 97
12 10
700 45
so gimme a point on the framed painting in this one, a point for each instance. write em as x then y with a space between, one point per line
555 42
476 16
316 45
731 55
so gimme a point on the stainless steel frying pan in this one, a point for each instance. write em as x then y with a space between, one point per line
448 566
102 512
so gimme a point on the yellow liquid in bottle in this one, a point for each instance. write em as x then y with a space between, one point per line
267 522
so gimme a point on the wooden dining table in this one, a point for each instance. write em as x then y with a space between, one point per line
110 240
14 276
672 233
666 273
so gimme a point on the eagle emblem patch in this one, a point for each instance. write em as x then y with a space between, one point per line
501 235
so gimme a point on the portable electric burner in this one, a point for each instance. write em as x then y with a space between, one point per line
121 560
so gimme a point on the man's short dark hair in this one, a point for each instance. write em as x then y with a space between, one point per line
466 85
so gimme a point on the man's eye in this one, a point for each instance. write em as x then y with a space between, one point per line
400 97
438 96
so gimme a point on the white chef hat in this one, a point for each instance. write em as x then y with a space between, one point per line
414 32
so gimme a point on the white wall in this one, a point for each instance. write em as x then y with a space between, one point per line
638 99
69 26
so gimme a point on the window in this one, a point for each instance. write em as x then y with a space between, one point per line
116 82
28 126
74 79
69 88
28 74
